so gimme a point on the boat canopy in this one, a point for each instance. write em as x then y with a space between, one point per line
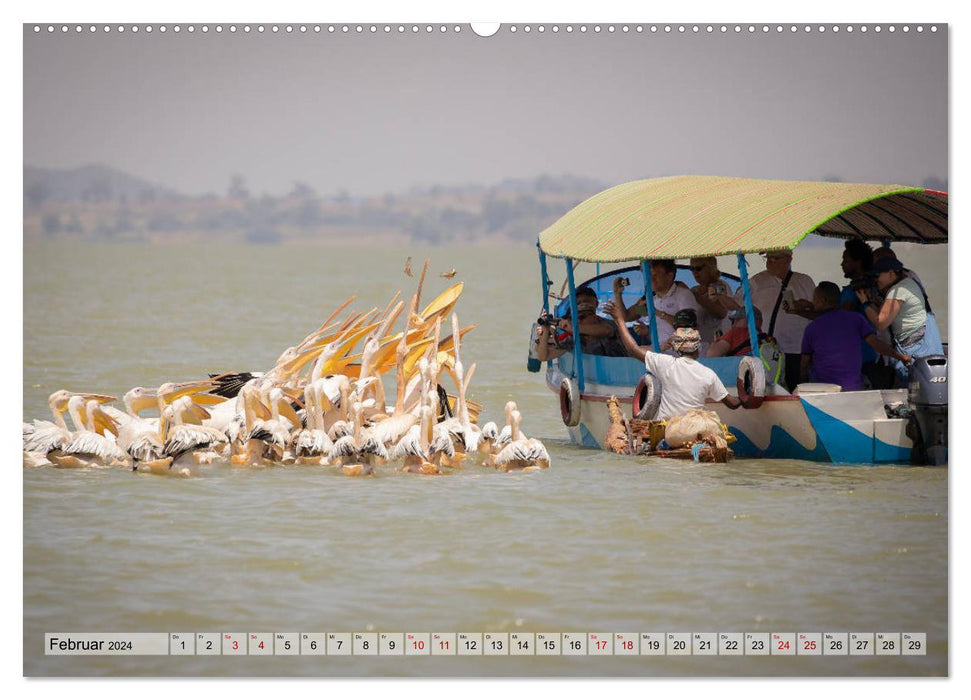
692 215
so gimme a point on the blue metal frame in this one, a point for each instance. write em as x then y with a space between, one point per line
575 320
544 279
753 334
649 299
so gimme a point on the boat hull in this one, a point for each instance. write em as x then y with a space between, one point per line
836 427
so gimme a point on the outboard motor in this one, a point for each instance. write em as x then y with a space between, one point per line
928 398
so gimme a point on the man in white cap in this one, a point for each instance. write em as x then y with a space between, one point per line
686 384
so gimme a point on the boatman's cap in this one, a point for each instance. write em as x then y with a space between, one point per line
686 340
887 264
686 318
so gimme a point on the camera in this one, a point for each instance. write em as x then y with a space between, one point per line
624 281
545 320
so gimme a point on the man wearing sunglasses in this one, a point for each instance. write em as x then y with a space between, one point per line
670 297
711 286
769 288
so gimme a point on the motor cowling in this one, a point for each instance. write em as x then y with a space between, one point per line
928 396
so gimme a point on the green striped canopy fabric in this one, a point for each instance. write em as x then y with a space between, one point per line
690 215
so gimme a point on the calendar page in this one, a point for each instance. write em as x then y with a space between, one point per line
311 386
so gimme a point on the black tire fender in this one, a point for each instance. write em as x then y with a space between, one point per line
647 397
570 402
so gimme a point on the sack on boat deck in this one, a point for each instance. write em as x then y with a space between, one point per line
692 427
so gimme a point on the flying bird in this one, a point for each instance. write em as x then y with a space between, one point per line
408 267
448 275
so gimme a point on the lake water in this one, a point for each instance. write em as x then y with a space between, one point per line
598 543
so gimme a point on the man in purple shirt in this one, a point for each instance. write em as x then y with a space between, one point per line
831 350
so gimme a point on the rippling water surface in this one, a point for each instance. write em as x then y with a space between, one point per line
598 543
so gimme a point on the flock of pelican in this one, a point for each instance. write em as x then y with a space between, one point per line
322 403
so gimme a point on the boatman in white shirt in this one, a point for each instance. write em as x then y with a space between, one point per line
770 290
686 384
669 299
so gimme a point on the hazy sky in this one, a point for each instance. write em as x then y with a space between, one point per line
383 112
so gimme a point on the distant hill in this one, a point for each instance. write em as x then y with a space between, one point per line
89 184
101 203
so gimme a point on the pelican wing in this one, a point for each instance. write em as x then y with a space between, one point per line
183 438
513 452
312 443
344 448
85 442
270 431
392 429
340 429
409 445
146 447
228 385
370 445
46 437
442 442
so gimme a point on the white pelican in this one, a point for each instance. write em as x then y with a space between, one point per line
336 422
521 452
251 451
185 434
311 444
368 359
414 448
505 435
392 429
141 437
356 454
268 435
227 417
460 426
490 433
45 436
89 447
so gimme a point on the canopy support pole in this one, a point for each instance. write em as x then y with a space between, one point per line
649 299
544 278
753 333
545 281
577 351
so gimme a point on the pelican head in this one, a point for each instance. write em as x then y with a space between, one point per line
75 407
169 392
58 401
138 399
287 355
